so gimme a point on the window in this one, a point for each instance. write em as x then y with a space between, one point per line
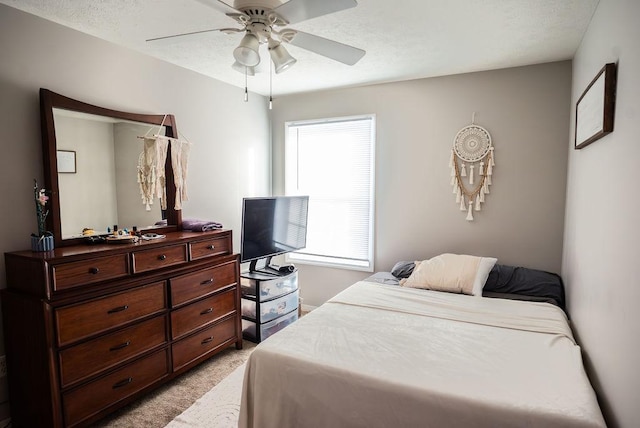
332 161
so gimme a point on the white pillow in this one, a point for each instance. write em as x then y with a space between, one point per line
453 273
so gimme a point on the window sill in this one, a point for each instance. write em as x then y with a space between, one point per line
330 262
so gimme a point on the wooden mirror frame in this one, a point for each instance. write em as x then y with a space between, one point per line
50 100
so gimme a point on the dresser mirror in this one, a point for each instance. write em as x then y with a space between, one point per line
90 157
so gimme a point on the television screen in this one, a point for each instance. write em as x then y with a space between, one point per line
273 225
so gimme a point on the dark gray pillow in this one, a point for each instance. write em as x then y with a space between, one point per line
516 280
403 269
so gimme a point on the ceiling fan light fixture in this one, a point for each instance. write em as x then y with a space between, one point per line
250 71
282 59
247 51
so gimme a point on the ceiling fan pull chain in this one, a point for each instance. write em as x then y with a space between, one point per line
246 92
270 87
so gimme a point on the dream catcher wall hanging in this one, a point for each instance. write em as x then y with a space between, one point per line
471 163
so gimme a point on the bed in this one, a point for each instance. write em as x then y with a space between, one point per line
383 355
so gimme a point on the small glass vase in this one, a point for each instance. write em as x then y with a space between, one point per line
42 243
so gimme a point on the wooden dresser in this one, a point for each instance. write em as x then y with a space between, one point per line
90 328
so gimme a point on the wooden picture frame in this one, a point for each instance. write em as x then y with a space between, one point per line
66 161
596 107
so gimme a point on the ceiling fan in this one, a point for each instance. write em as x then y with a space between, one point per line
264 22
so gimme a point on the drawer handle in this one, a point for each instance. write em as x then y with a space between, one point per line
206 311
118 309
211 247
207 340
207 281
162 257
122 383
120 346
94 270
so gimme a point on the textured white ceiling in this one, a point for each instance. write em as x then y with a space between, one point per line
404 39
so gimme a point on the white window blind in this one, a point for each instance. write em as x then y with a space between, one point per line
332 161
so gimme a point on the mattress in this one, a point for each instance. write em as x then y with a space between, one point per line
386 356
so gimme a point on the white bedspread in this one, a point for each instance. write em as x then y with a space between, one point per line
386 356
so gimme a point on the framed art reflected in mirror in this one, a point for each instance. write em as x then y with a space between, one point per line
66 161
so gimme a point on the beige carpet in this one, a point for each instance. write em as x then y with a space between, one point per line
161 406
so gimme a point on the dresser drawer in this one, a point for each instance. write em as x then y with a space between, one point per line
198 314
95 316
192 286
88 358
210 247
157 258
87 400
69 275
203 342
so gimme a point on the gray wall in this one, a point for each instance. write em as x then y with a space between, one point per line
602 231
526 111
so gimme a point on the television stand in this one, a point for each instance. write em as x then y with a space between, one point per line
269 303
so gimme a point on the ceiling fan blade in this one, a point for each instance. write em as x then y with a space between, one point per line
220 6
331 49
179 38
300 10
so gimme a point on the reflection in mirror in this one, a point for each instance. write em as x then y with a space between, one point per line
104 190
95 184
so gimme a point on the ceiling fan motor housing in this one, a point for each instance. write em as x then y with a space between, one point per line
261 30
256 4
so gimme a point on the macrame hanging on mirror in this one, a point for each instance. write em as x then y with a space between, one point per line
472 161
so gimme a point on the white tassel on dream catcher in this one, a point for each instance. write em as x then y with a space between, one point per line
473 152
470 212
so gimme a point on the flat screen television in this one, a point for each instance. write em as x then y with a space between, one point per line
272 226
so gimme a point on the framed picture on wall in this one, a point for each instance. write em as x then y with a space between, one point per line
596 107
66 161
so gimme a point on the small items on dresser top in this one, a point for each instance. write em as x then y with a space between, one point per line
121 239
152 236
119 236
125 235
195 225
